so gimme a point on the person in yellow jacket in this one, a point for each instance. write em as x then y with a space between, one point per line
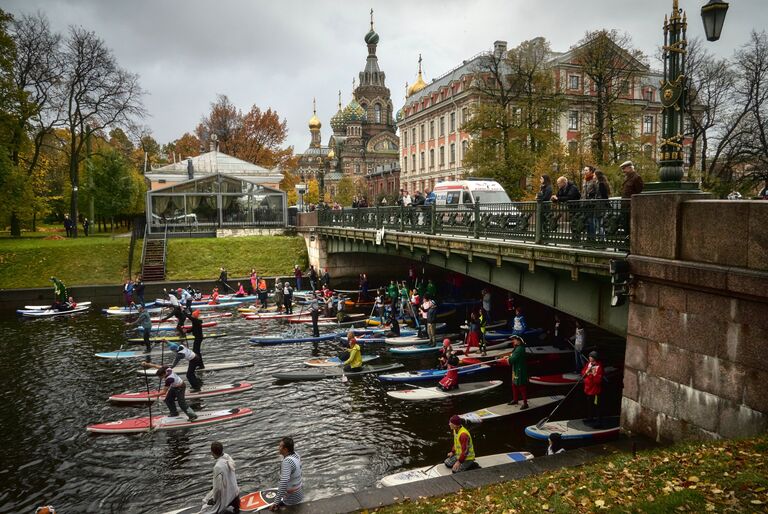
355 360
462 454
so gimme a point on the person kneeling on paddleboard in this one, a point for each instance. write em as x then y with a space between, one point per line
225 493
451 379
354 362
182 352
290 488
446 353
518 362
174 389
462 455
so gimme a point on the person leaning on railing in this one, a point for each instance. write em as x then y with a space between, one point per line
568 192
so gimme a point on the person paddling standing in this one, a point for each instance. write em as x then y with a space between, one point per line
290 487
451 379
197 333
519 365
593 386
174 389
145 322
194 360
314 311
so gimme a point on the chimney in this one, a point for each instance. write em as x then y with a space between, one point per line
190 169
499 48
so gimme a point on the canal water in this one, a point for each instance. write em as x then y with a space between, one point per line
348 434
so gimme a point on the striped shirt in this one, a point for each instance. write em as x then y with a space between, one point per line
289 489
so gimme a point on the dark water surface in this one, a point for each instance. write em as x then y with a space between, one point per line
349 435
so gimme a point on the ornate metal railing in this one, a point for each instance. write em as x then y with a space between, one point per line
594 224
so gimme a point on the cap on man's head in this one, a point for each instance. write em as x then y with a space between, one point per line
455 420
625 164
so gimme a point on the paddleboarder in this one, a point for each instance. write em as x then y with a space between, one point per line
473 332
194 362
517 361
174 389
178 313
314 311
519 325
354 361
138 290
578 340
451 379
593 386
263 292
290 487
59 290
297 275
145 322
326 279
277 296
225 493
429 314
446 353
288 298
197 333
223 279
462 454
185 299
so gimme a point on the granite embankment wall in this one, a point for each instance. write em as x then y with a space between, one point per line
697 344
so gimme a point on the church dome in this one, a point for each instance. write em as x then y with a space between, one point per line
419 84
337 121
314 123
399 116
372 38
354 112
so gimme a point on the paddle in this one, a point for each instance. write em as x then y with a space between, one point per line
545 419
149 399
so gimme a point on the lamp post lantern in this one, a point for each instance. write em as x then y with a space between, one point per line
713 16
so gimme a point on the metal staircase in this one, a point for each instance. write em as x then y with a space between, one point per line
153 257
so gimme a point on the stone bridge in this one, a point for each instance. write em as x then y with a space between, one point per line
696 362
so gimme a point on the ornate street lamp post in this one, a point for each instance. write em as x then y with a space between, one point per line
713 16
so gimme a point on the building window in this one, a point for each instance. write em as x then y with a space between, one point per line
421 158
573 120
357 169
453 153
574 81
464 146
422 133
405 165
413 162
647 124
442 125
464 115
442 156
453 122
377 113
431 130
431 158
405 138
413 136
648 94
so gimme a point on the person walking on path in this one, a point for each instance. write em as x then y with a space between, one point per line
174 389
462 454
593 386
518 362
86 226
633 183
289 488
145 322
225 494
68 225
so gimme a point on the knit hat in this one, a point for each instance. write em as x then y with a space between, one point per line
593 354
446 342
455 420
196 313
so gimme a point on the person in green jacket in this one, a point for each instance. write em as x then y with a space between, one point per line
59 290
517 361
392 292
431 290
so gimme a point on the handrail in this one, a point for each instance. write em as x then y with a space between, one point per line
165 248
590 224
144 246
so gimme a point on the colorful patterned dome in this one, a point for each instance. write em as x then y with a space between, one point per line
354 112
372 38
338 124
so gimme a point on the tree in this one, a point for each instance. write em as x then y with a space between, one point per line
612 65
187 145
260 137
224 121
313 192
114 187
97 94
345 191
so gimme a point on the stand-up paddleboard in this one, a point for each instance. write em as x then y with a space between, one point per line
505 409
172 326
565 379
251 502
273 315
143 424
208 391
208 306
123 311
378 331
271 341
435 393
214 366
490 326
425 375
47 307
323 373
126 354
425 348
171 338
576 429
375 320
329 362
454 304
215 315
475 357
531 334
306 319
440 470
50 313
253 309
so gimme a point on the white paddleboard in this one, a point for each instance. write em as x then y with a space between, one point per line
216 366
46 307
440 469
50 313
209 390
435 393
143 424
504 409
576 429
327 362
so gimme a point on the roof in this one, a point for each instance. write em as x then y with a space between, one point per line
256 185
321 151
214 162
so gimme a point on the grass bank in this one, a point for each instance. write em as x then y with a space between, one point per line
31 260
722 476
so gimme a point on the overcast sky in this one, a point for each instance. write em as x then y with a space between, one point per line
281 54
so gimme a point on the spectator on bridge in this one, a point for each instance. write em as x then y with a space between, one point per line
407 200
545 189
430 198
633 183
567 191
603 187
590 189
418 199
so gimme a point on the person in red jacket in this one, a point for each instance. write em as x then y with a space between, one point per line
593 386
451 379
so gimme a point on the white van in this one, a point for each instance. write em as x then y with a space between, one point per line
467 192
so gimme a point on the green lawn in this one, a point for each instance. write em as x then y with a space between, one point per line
31 260
720 476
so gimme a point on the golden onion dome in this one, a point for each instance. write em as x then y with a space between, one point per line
331 154
314 121
419 84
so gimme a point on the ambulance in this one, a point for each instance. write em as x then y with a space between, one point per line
468 192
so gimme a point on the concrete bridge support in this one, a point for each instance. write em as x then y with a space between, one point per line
697 339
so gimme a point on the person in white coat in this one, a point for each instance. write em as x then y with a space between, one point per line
224 495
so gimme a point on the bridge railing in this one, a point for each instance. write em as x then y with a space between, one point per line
596 224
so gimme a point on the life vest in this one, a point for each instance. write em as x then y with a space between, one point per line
457 444
355 357
262 285
187 353
177 381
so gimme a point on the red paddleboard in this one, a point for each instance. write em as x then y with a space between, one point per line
214 390
272 316
564 379
209 316
138 425
251 502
